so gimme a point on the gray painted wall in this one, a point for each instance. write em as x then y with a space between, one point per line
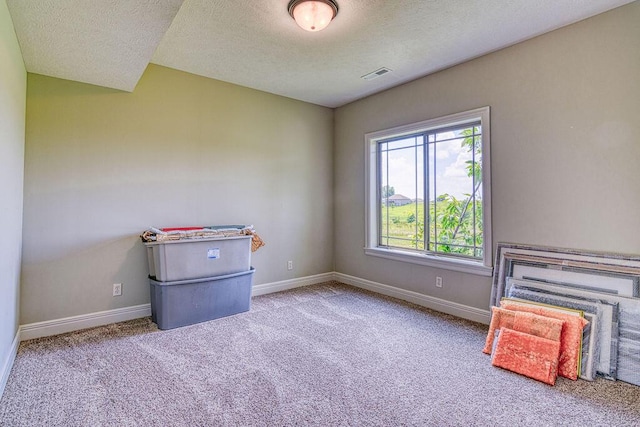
13 89
102 166
565 142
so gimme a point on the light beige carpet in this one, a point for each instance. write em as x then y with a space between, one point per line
324 355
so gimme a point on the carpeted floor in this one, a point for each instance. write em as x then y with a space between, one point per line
323 355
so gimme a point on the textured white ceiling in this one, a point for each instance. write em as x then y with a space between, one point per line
255 43
105 43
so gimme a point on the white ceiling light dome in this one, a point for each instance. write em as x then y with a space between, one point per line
313 15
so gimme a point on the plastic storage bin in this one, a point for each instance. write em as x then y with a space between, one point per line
186 302
198 258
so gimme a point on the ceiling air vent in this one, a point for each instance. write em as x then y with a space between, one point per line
377 73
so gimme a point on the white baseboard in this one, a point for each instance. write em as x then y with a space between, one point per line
268 288
90 320
7 363
83 321
438 304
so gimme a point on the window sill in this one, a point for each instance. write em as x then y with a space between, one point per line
445 263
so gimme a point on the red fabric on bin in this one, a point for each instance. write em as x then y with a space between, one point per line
167 230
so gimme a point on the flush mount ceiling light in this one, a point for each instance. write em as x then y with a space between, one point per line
313 15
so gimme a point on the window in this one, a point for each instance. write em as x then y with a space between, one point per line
428 192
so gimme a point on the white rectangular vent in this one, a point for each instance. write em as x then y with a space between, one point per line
377 73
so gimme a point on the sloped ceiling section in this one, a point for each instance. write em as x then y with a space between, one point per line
255 43
105 43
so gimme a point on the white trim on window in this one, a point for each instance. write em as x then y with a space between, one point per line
483 267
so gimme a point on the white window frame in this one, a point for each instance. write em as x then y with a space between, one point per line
372 211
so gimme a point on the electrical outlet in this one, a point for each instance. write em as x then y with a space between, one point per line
438 282
117 289
289 265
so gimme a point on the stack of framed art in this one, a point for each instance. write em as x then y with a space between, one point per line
603 288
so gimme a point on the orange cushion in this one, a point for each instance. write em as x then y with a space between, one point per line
529 355
522 321
570 340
